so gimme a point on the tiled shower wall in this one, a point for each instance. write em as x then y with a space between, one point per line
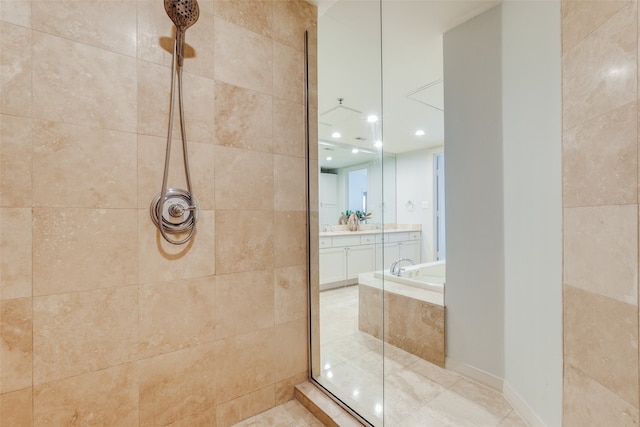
102 322
600 198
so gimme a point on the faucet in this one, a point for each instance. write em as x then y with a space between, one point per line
396 263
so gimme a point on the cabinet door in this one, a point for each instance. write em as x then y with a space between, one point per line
333 266
391 252
410 250
359 260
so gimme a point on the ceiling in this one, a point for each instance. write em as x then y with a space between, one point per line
352 59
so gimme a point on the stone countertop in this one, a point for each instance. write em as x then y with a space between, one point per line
341 230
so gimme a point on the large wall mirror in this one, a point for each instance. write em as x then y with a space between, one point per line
381 330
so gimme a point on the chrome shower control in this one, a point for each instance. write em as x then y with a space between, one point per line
179 211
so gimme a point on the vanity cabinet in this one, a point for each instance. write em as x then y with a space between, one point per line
343 257
394 246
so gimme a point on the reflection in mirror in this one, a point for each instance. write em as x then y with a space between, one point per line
381 289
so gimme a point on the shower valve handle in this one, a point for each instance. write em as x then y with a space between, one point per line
176 210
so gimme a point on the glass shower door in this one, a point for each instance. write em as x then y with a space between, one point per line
347 201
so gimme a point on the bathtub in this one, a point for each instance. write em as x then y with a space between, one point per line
406 311
430 276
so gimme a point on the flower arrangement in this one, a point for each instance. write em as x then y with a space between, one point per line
362 216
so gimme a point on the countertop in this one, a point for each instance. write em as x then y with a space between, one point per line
370 229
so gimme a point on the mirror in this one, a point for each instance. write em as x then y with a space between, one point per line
351 181
372 353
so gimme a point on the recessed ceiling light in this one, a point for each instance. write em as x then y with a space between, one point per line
420 132
355 151
372 118
336 135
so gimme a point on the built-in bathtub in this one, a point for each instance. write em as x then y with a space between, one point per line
408 309
430 276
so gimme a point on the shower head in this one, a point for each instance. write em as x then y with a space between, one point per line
183 13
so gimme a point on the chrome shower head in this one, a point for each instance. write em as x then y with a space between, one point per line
183 13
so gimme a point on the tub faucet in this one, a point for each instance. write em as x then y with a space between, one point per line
399 270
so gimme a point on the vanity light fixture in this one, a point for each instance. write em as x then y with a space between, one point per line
355 151
378 144
420 132
329 158
372 118
336 135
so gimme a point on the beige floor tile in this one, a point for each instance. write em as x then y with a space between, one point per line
387 385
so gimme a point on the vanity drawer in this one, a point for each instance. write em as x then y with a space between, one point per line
368 239
343 241
325 242
414 235
398 237
382 238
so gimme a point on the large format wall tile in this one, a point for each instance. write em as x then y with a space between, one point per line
288 66
600 160
601 339
290 353
243 58
176 315
154 95
289 238
78 166
15 70
16 12
161 261
289 175
290 293
16 344
200 42
103 322
80 84
600 250
587 403
290 20
244 303
79 249
243 118
580 18
243 407
16 408
288 128
151 153
104 397
109 25
256 15
600 73
244 179
155 34
177 386
15 253
82 332
15 162
244 364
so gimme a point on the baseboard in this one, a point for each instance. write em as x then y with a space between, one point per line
520 405
475 374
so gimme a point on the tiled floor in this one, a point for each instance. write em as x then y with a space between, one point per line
416 392
289 414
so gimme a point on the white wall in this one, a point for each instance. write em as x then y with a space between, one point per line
415 184
533 205
473 178
503 184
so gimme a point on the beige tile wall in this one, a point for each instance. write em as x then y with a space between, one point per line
102 322
600 199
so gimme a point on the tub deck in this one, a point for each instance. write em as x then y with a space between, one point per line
412 318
